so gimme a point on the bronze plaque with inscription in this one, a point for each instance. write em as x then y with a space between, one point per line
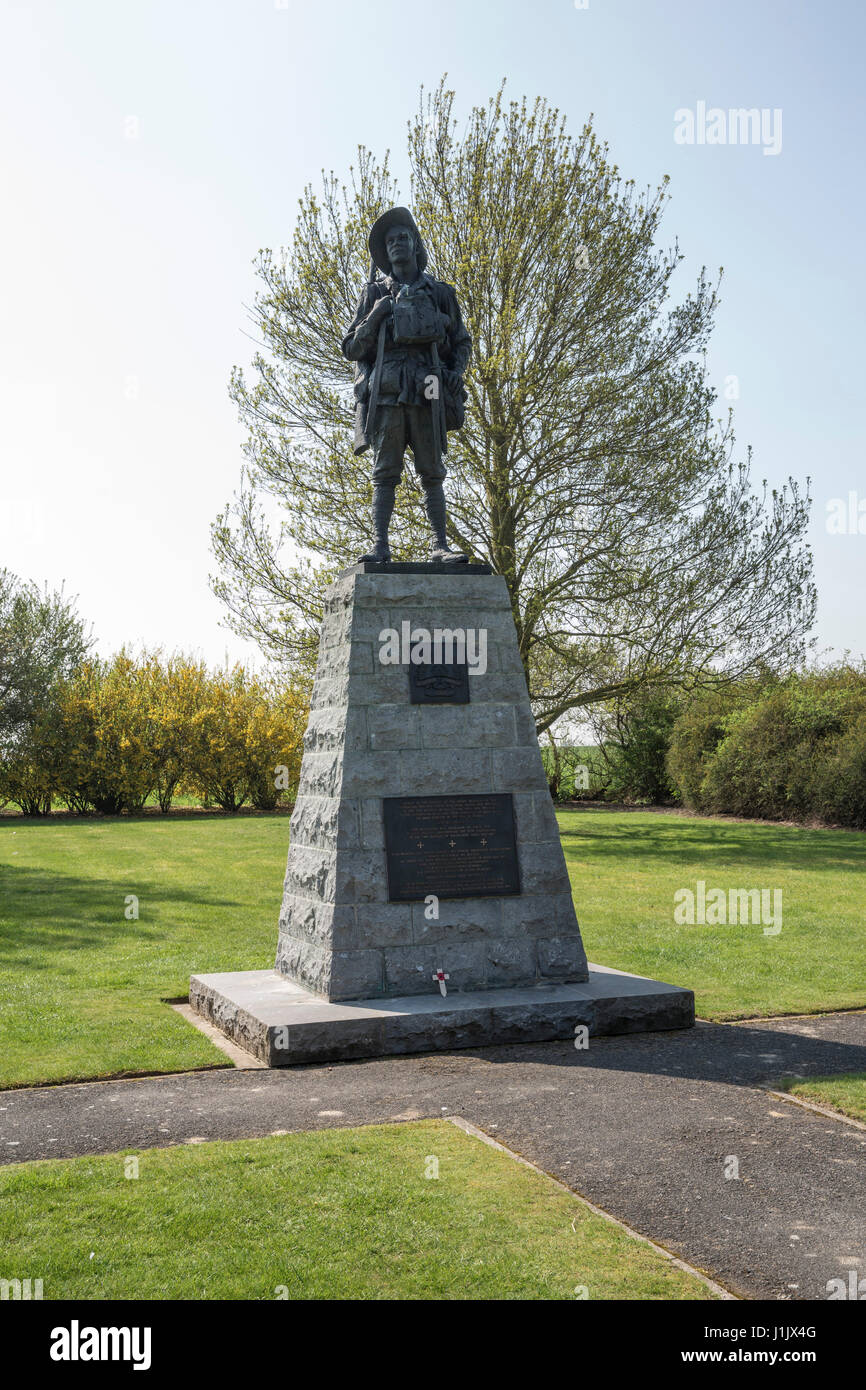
453 846
439 685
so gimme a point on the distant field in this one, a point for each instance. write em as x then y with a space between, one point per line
82 986
408 1211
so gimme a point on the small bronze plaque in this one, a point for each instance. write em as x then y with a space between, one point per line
439 685
453 846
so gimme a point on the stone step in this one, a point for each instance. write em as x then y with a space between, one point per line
284 1025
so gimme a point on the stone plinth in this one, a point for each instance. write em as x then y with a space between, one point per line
339 935
285 1025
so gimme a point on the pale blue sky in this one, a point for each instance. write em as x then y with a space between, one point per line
149 149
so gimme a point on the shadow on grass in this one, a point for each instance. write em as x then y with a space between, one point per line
678 841
50 912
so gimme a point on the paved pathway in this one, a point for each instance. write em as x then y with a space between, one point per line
643 1126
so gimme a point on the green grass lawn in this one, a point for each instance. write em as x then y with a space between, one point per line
337 1214
625 868
82 987
846 1094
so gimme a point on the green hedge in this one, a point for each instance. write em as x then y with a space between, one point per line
795 750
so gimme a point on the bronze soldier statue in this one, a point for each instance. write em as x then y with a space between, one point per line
410 349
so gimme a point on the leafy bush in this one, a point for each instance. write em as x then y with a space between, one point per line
29 768
574 772
108 763
243 731
42 640
839 781
792 750
636 733
42 643
120 731
695 735
176 690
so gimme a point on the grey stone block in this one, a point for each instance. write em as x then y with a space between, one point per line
333 664
355 975
311 873
461 726
530 916
361 876
220 1008
442 1031
368 624
430 591
542 1020
458 919
260 1008
542 867
317 922
446 772
336 628
498 687
539 914
489 666
361 658
326 822
334 728
393 726
524 817
641 1013
384 924
320 773
372 824
343 1040
561 958
410 969
496 625
566 917
328 973
511 961
518 769
525 724
545 816
305 961
330 691
371 774
385 685
510 660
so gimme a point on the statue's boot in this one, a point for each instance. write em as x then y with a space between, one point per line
435 503
383 507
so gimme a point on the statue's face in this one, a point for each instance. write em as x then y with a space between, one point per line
400 245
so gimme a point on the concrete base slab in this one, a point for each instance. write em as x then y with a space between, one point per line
283 1024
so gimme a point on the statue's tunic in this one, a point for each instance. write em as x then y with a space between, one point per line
403 415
